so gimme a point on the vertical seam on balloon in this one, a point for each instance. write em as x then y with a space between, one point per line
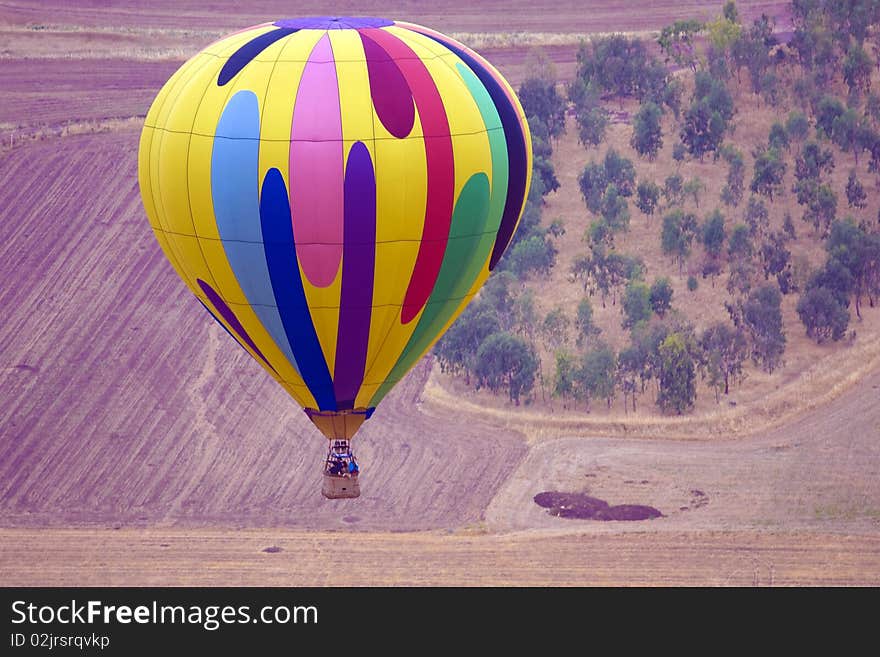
465 56
189 204
423 268
427 301
312 265
368 367
155 185
489 139
290 349
353 338
188 198
314 372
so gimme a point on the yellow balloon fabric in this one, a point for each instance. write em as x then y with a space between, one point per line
335 190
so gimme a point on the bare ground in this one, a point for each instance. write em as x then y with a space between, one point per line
214 557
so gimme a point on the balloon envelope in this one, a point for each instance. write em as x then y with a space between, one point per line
335 191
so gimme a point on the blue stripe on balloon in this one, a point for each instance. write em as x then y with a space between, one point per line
235 192
280 256
243 56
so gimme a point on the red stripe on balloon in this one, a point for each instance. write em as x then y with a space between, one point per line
440 169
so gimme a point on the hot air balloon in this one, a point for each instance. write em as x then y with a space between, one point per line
335 191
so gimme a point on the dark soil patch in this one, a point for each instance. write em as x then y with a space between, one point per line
584 507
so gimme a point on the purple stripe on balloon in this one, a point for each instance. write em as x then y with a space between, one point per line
358 263
333 22
316 168
227 314
391 94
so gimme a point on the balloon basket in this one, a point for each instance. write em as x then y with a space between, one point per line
341 472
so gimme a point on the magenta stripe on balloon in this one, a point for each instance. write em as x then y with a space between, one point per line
316 168
358 265
390 92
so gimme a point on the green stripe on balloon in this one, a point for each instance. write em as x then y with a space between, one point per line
500 178
464 258
468 224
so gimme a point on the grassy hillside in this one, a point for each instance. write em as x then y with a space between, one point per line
809 371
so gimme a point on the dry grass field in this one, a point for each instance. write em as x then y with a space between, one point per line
140 446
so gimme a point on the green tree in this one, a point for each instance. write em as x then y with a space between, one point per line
739 246
597 376
778 137
757 217
703 129
555 326
620 171
591 117
615 210
622 67
857 67
835 277
534 254
678 390
732 192
544 168
730 12
506 361
788 226
769 172
694 188
813 161
660 296
564 375
855 192
636 304
679 152
631 366
673 189
584 324
827 111
822 315
647 197
593 182
539 97
678 234
499 293
762 318
705 122
647 136
677 42
775 259
797 127
858 253
872 108
596 178
723 33
821 204
752 51
456 351
851 133
724 348
713 234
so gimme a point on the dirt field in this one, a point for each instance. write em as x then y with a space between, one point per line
140 446
211 557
